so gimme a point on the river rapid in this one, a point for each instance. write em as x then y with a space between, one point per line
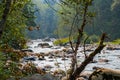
59 57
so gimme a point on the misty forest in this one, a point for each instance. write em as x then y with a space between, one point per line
59 39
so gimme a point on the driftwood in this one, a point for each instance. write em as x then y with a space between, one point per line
105 74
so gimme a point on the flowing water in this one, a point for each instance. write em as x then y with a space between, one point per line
106 59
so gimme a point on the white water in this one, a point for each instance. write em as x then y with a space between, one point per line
112 56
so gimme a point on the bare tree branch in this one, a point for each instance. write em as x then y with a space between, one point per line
80 31
89 58
84 46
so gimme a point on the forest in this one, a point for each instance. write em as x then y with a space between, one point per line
106 19
59 39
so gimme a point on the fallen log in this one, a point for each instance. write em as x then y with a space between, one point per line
105 74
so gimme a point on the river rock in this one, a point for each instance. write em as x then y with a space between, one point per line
112 48
69 51
59 73
40 77
103 60
48 67
44 45
26 50
105 74
31 58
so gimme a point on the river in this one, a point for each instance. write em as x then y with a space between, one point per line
106 59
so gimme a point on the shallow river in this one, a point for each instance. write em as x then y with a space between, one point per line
106 59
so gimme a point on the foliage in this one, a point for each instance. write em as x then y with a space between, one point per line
79 19
14 32
45 18
28 12
61 41
106 20
11 68
70 12
8 68
117 41
91 39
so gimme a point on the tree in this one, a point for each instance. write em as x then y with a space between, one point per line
13 33
4 16
106 19
81 15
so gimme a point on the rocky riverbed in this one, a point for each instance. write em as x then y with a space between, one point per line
52 58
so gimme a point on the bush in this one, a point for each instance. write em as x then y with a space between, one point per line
117 41
62 41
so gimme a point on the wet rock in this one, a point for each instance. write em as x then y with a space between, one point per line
47 39
27 50
41 57
69 51
48 67
84 75
64 58
105 74
44 45
64 78
51 56
57 64
51 60
109 48
94 61
32 58
95 68
57 52
69 56
58 56
40 77
80 78
59 73
89 50
103 60
41 70
116 48
112 48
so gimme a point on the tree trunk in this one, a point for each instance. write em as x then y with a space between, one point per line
89 58
4 16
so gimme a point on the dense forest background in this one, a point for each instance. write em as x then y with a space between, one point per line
106 19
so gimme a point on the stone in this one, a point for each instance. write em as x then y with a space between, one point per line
59 73
48 67
44 45
69 51
40 77
103 60
105 74
32 58
26 50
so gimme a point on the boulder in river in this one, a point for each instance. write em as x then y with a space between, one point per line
32 58
112 48
44 45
